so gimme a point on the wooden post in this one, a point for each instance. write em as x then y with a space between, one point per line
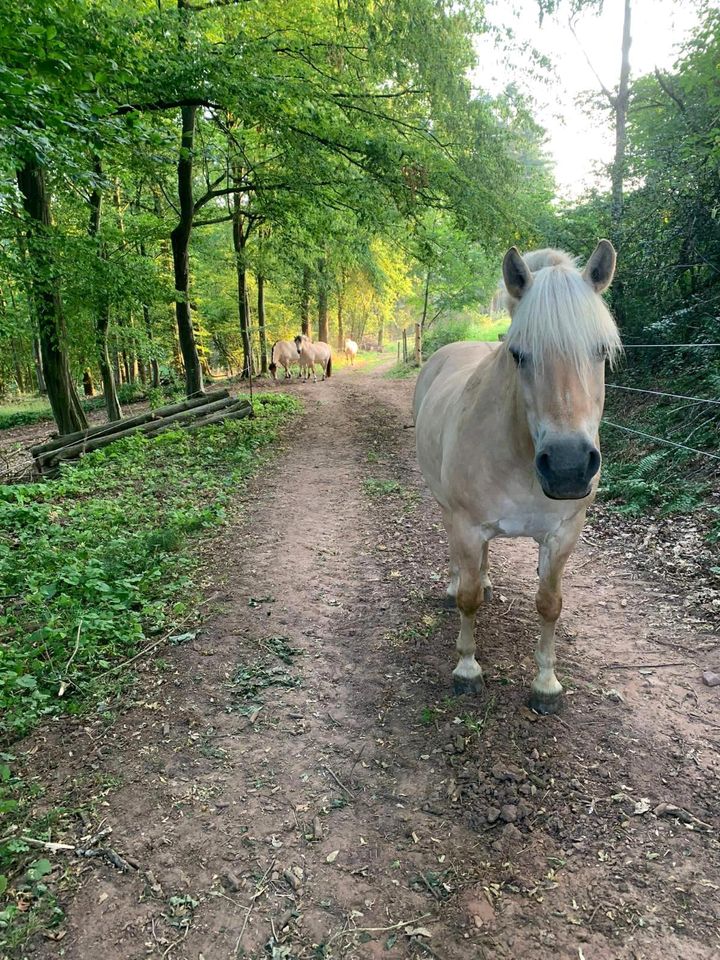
398 360
404 346
418 346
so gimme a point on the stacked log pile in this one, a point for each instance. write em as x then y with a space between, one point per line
189 414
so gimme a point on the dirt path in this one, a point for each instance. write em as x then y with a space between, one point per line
296 781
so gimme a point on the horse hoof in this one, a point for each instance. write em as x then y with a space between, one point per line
544 703
462 685
487 594
449 602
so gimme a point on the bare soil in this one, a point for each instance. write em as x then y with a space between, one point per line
297 780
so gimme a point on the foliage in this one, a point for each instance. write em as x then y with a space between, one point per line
349 131
667 287
93 563
464 327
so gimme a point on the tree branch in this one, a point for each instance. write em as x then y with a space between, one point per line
206 223
667 88
610 96
165 105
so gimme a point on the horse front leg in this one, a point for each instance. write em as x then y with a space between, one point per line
467 675
546 690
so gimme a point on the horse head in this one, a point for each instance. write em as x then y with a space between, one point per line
559 339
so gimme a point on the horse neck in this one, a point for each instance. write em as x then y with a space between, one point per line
498 380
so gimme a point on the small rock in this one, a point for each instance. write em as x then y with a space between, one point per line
509 813
317 829
232 882
615 696
459 743
534 755
511 833
492 814
711 679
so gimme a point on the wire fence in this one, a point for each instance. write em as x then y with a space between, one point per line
661 393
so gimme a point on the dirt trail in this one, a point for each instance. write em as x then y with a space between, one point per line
299 782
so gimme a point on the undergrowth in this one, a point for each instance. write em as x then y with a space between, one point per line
93 564
30 410
642 475
97 560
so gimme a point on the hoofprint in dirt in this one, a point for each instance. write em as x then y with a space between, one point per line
296 781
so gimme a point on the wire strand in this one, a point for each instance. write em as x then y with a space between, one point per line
670 443
662 346
660 393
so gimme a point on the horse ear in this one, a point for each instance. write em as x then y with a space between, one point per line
516 274
600 268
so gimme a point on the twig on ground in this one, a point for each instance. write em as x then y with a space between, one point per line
340 783
258 891
643 666
64 684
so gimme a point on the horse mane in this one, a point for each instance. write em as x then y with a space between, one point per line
561 314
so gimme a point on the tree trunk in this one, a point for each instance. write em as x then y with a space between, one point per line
47 302
88 388
102 317
620 104
261 322
39 375
239 240
381 333
341 334
423 319
180 239
322 303
305 303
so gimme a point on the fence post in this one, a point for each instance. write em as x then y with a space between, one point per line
405 355
418 346
398 360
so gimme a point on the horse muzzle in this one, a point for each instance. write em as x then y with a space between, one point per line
566 468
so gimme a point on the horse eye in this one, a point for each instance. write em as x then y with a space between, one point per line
519 358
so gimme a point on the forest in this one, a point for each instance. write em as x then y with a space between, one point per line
182 184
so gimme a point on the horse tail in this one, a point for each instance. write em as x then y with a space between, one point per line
329 367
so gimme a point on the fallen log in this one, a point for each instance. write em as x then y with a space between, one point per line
75 450
238 414
117 426
191 404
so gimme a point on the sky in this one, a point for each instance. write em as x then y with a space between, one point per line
579 140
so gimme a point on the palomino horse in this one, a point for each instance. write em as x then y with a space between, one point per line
311 353
351 349
283 352
507 439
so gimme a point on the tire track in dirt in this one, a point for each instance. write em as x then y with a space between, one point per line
337 802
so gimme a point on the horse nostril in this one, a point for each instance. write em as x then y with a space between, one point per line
542 462
593 463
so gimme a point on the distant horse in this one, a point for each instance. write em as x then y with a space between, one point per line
351 349
311 353
507 439
283 352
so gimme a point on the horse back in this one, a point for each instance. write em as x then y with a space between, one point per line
448 360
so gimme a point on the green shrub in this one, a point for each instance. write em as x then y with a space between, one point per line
462 328
94 562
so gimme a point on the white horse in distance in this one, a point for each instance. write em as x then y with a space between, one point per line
311 353
283 352
351 349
